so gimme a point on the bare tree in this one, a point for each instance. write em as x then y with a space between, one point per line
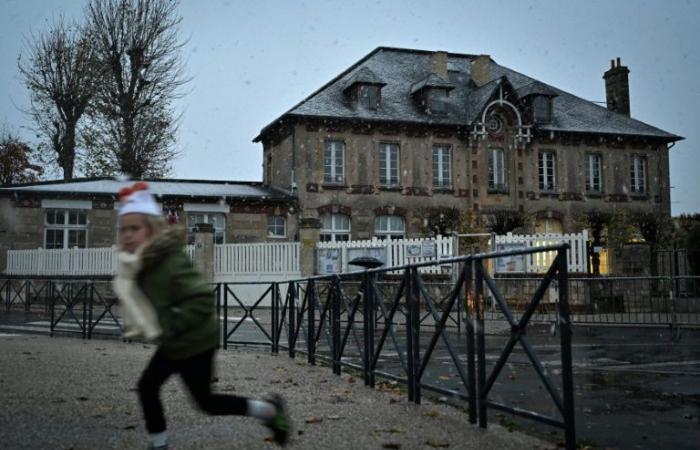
134 124
16 164
60 75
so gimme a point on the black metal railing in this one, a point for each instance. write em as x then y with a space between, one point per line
390 329
352 321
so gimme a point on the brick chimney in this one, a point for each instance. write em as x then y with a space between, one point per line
438 64
481 70
617 87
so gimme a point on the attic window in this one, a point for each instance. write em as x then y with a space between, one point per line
437 101
369 96
542 109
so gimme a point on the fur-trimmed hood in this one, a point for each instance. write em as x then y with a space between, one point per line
171 240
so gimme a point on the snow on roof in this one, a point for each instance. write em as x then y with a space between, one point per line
179 188
401 69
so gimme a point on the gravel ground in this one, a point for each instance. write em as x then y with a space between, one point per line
64 393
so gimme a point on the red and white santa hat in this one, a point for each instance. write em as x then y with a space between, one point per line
137 199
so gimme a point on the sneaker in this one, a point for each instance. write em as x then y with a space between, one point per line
280 423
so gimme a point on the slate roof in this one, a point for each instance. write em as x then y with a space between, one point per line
365 76
401 69
176 188
431 81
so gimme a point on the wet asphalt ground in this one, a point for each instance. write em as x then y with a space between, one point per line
636 388
66 393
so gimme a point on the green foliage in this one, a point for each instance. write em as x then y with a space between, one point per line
655 228
504 221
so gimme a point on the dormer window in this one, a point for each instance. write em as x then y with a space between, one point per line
369 96
363 89
437 101
430 94
542 109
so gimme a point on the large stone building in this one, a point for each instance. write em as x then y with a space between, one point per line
403 132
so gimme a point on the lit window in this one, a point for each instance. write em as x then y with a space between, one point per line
276 226
333 162
389 164
638 174
497 169
593 172
335 228
389 227
546 171
218 220
442 167
65 228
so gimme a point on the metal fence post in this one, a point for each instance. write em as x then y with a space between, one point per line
224 286
410 363
471 363
291 310
52 306
368 332
92 293
311 325
566 363
480 343
413 334
335 325
273 313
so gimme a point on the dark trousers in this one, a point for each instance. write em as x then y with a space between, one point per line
196 372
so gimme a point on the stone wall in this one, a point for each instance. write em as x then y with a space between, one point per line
362 196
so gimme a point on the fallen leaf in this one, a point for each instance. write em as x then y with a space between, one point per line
443 377
314 419
437 444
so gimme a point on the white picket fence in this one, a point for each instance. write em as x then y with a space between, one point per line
263 258
228 258
75 262
333 257
540 262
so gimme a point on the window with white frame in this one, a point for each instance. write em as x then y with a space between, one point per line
442 166
389 227
594 163
218 220
388 164
497 169
334 162
65 228
638 174
335 228
546 171
276 226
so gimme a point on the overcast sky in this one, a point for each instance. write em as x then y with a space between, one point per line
250 61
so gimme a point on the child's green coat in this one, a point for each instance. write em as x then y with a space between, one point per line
183 300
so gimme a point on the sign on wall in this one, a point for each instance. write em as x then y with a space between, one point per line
328 260
510 264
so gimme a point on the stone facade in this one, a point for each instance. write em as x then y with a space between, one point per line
363 196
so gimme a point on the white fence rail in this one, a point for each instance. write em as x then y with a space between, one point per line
76 262
540 262
333 257
257 258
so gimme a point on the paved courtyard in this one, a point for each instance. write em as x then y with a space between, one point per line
66 393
